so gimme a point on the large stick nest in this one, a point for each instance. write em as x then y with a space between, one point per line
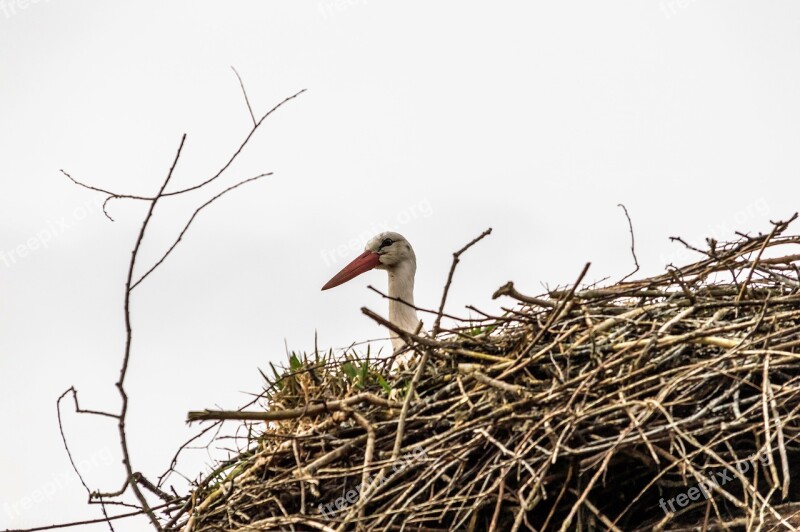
664 403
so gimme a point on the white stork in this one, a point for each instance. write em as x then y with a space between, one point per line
391 252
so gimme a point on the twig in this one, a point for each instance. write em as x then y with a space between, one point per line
78 409
456 258
111 195
133 478
246 99
309 410
509 290
633 243
419 309
370 450
126 460
188 223
164 194
407 337
82 523
755 262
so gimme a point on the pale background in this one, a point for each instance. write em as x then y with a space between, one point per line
436 119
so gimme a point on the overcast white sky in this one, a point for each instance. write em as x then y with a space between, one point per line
436 119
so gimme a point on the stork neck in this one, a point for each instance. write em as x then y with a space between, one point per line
401 286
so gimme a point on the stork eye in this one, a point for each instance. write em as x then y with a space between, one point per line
387 242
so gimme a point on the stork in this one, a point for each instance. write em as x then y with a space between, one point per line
391 252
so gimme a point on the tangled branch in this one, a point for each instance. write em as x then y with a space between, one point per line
666 403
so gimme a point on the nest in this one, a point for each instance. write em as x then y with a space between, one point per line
666 403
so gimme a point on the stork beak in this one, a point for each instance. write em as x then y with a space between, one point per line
364 262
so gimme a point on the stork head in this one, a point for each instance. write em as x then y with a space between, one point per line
384 251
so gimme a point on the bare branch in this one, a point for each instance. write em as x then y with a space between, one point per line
85 522
456 258
111 195
419 309
246 99
134 480
633 243
308 410
128 341
74 392
509 290
241 147
164 194
191 219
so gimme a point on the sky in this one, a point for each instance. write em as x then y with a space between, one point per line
433 119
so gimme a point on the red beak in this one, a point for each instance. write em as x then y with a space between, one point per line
364 262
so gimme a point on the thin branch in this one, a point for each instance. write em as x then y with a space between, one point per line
309 410
556 313
69 452
85 522
132 265
406 336
246 99
191 219
239 150
456 258
418 309
633 242
423 362
509 290
128 341
777 227
111 195
401 422
163 194
135 480
174 462
80 410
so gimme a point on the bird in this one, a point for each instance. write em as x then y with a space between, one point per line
389 251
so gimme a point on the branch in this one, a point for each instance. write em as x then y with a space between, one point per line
132 264
293 413
81 523
418 309
556 313
633 247
456 258
239 150
509 290
777 228
69 452
111 195
163 194
191 219
405 335
246 99
134 479
126 460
